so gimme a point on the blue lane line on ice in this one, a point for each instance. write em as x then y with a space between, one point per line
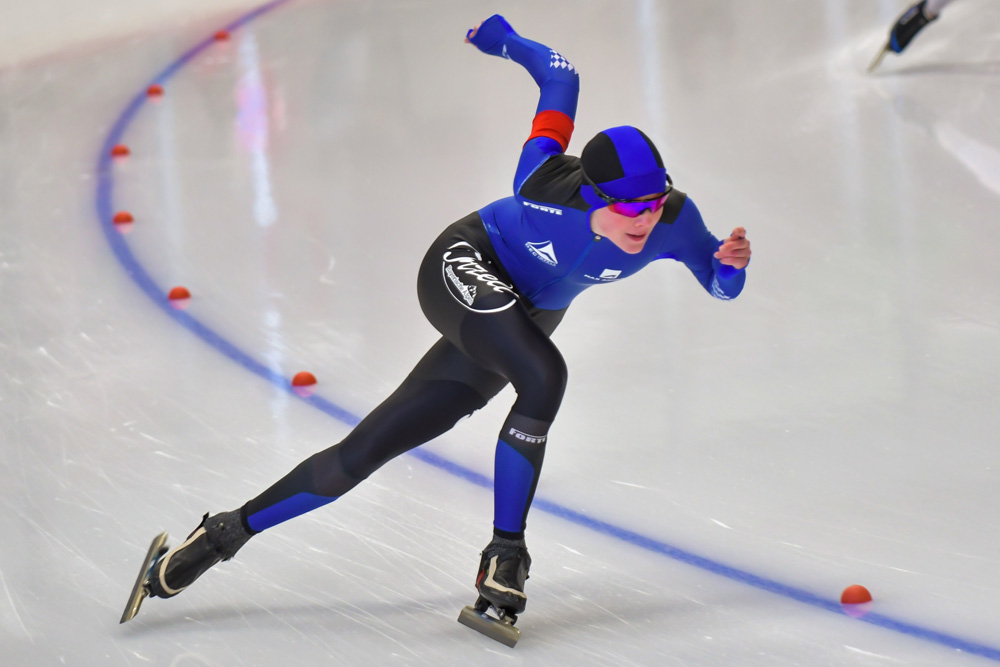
157 294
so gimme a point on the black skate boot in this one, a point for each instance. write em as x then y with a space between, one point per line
503 570
908 25
165 573
904 30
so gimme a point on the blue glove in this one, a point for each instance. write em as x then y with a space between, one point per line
491 35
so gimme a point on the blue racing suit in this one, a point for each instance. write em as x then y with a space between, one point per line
496 285
542 235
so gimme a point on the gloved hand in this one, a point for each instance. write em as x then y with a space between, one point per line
490 35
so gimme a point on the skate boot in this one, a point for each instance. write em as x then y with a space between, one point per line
904 30
908 25
503 570
165 573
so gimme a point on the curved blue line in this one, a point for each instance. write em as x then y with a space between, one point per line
139 275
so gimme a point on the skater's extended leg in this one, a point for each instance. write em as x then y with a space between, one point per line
415 413
444 387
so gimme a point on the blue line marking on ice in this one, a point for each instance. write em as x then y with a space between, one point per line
157 294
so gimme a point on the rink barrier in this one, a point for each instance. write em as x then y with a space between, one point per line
138 274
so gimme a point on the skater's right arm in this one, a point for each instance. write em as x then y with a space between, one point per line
559 88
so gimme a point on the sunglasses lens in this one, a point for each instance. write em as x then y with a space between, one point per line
630 209
633 209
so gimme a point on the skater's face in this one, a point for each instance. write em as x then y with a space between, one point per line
629 234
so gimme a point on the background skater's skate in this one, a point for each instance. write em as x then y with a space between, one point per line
165 573
904 30
140 590
500 582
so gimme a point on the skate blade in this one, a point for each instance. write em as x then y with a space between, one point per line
878 58
156 549
502 631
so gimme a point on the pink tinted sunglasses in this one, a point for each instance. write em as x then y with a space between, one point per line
632 208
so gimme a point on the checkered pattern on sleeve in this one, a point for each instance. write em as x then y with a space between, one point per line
558 62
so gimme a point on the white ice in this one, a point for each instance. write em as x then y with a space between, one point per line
835 425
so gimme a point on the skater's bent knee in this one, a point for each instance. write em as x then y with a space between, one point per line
540 393
547 379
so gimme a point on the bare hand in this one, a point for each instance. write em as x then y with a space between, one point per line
735 251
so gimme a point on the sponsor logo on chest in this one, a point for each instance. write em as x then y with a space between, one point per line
544 251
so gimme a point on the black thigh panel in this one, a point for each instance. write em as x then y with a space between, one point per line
491 332
461 274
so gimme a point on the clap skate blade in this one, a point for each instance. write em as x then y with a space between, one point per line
878 58
501 628
139 591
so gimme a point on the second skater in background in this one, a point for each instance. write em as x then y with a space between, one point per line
906 27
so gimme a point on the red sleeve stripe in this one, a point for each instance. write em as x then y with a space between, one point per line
554 125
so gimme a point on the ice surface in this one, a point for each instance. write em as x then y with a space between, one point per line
719 471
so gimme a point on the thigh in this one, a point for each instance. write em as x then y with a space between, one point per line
444 362
460 273
467 296
459 277
511 344
417 412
